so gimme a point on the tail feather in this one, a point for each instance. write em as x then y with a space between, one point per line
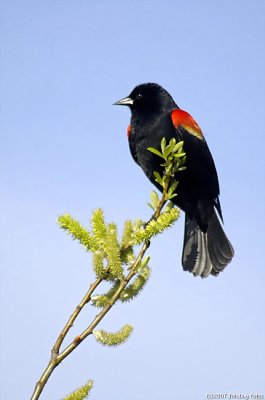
205 253
220 249
195 257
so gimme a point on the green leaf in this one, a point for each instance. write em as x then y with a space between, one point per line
170 197
155 151
179 155
172 188
182 168
178 146
163 145
169 206
154 199
158 177
167 152
144 262
151 206
172 143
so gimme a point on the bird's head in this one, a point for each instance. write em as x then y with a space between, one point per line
148 98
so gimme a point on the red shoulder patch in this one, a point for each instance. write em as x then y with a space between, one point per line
129 131
184 119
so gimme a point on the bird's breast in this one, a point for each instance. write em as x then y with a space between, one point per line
149 133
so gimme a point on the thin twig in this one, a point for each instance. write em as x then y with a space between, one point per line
55 350
56 356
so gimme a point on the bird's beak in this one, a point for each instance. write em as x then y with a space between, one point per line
127 101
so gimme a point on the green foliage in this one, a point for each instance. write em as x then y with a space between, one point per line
99 227
130 292
169 153
81 393
174 161
113 251
154 200
137 285
110 255
154 227
101 300
114 260
127 234
98 264
113 339
77 231
127 254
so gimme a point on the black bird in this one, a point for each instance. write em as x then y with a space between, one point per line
206 249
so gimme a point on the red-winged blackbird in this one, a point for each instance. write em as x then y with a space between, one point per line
155 115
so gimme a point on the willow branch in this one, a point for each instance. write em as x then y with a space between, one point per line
56 348
74 315
56 356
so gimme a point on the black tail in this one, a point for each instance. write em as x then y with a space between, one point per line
205 253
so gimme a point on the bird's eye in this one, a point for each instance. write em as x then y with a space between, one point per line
139 96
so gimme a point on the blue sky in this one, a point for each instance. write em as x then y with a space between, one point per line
64 149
